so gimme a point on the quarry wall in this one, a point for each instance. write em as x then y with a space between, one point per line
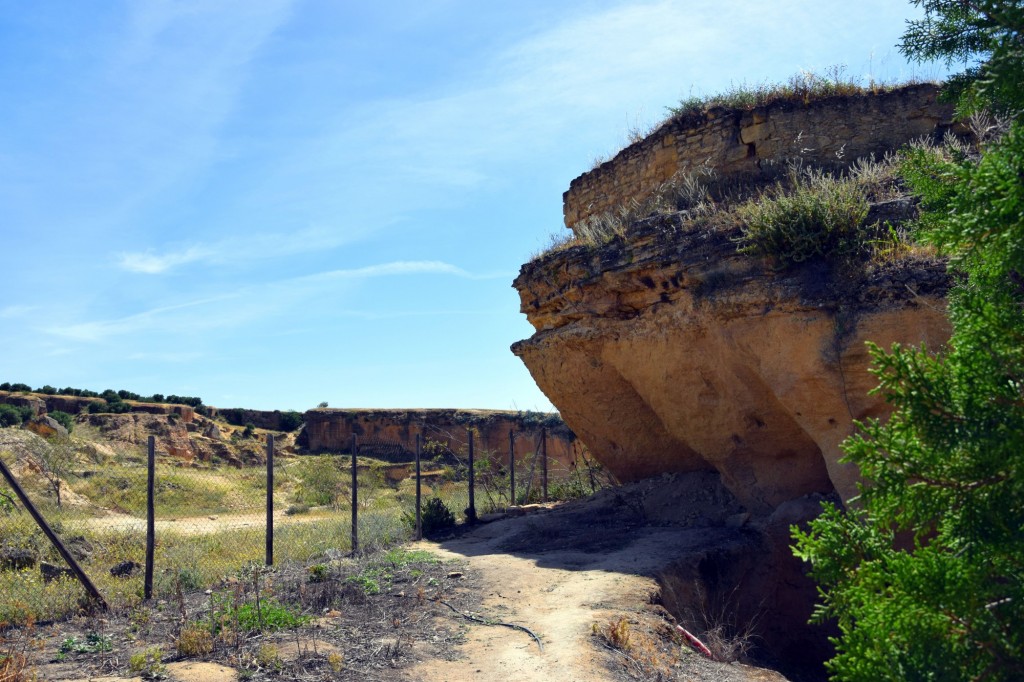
330 429
833 131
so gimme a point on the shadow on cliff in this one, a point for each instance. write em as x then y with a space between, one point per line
716 565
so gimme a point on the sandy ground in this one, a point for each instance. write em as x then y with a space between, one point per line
559 593
197 525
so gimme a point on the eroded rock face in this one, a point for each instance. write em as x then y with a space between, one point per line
671 352
391 434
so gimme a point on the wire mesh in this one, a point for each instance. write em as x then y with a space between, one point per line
210 517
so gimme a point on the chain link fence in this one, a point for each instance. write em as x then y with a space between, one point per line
204 521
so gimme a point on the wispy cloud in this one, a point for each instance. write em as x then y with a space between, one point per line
236 249
417 267
182 357
153 264
99 330
248 303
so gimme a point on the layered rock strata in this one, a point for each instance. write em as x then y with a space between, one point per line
756 143
393 432
671 352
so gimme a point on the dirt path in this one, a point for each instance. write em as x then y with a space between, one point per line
197 525
559 585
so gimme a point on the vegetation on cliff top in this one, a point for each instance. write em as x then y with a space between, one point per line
801 88
925 573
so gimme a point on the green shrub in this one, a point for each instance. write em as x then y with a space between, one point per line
820 217
436 517
10 415
320 481
290 420
64 419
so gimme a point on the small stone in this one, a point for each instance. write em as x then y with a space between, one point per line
454 575
125 569
51 572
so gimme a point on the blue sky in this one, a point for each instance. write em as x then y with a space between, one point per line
273 203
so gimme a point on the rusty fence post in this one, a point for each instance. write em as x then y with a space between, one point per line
270 499
147 585
511 467
94 594
355 498
419 491
544 462
471 512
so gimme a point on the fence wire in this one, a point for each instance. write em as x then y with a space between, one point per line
211 519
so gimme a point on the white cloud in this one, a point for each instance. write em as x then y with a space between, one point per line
153 264
420 267
99 330
237 249
248 303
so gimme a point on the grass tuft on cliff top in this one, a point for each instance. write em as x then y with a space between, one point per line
806 213
801 88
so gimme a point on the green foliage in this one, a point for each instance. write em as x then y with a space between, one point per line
265 614
320 481
148 663
985 34
436 517
64 419
380 574
94 643
290 420
925 575
12 415
821 216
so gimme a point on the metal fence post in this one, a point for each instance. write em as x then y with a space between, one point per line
94 594
512 467
355 498
147 585
270 499
419 491
471 512
544 461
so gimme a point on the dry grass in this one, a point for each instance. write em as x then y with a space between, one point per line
801 88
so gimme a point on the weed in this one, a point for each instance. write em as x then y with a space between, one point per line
436 517
148 663
615 634
15 646
269 658
93 643
318 573
194 640
821 217
335 661
266 615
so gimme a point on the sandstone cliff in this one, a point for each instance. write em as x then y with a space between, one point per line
391 434
665 350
